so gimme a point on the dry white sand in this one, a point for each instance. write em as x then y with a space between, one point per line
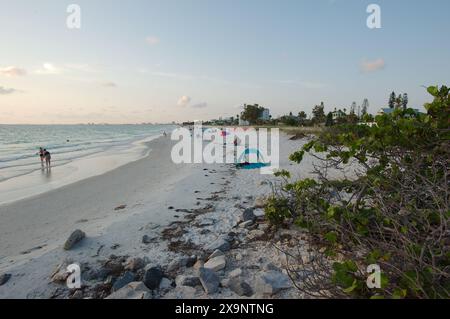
32 231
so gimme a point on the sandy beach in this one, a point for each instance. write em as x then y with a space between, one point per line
178 209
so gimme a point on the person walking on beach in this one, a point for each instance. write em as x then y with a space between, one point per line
48 158
41 155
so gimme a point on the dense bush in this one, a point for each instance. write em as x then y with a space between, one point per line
392 210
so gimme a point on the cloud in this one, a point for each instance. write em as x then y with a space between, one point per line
152 40
184 100
110 84
12 71
5 91
200 105
49 69
372 66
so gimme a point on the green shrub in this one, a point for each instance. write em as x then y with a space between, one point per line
393 211
277 210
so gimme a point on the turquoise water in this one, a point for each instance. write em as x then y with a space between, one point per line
19 144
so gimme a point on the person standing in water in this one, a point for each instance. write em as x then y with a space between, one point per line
41 155
48 158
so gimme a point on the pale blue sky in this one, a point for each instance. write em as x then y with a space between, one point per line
134 61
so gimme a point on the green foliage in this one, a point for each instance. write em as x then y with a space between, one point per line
318 114
394 212
329 121
251 113
277 210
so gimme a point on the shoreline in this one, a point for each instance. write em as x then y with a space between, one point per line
43 180
180 210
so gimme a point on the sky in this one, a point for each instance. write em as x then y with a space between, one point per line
161 61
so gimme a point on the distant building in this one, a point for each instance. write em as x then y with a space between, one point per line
265 115
337 114
243 122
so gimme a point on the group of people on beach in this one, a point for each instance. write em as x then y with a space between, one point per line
45 156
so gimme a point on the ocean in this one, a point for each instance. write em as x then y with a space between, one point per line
19 144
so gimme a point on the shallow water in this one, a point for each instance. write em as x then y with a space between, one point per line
19 144
78 152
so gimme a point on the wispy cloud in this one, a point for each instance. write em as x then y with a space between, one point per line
184 100
6 91
49 69
12 71
152 40
200 105
372 65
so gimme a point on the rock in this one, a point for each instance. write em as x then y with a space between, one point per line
165 284
134 264
190 261
216 253
190 281
248 215
219 244
134 290
235 273
153 277
224 282
259 213
174 265
146 239
269 283
95 274
255 234
246 224
122 281
73 239
240 287
78 294
259 202
113 267
181 262
270 266
216 263
209 280
238 257
4 279
60 273
198 264
181 292
120 207
263 227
